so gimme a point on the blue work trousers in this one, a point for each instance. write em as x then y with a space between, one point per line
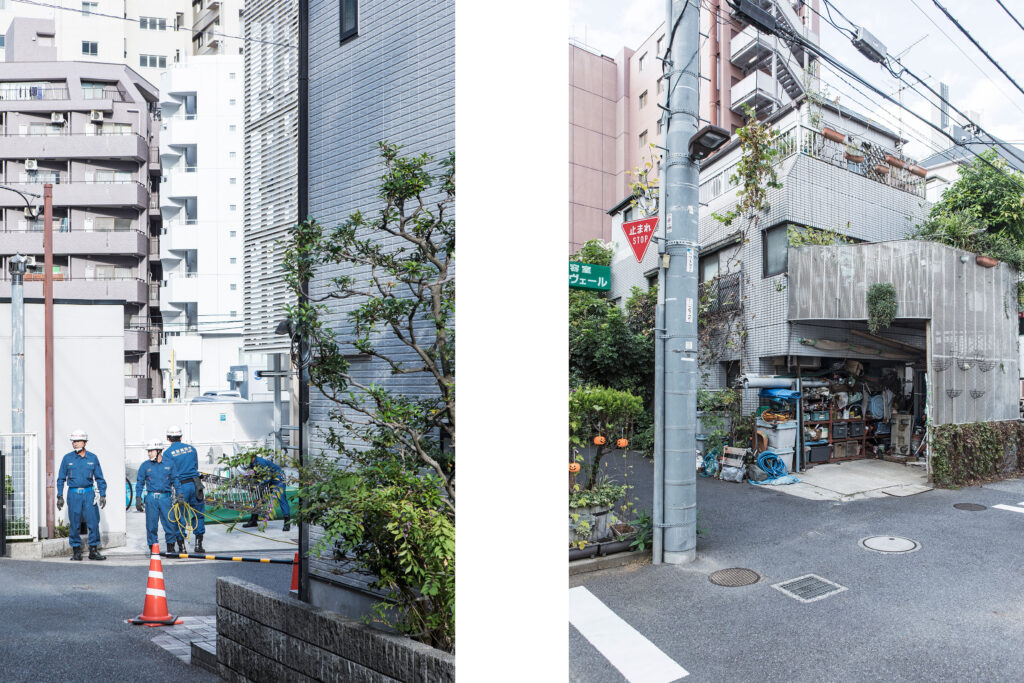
158 507
276 487
81 505
188 491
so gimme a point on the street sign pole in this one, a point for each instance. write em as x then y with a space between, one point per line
679 474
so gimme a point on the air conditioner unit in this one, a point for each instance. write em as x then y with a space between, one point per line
96 116
30 261
31 165
56 117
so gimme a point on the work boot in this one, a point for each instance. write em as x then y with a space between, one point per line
94 554
170 548
199 544
181 546
251 523
76 554
287 525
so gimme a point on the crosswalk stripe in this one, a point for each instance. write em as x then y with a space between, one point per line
636 658
1011 508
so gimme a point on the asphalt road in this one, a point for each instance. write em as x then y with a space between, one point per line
950 611
65 621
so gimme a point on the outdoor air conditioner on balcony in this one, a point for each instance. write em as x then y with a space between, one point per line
56 117
96 116
31 165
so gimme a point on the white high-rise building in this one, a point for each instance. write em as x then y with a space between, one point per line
201 203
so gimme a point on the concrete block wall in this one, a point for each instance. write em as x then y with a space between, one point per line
395 81
265 636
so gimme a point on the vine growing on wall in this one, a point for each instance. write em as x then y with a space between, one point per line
966 454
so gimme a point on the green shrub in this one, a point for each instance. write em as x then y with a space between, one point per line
881 301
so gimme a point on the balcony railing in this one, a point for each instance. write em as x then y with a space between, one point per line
35 92
721 293
108 93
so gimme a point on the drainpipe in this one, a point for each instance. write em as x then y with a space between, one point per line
303 211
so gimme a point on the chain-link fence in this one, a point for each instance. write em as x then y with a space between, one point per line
21 485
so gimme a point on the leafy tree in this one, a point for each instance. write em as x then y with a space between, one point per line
601 412
385 497
993 198
596 252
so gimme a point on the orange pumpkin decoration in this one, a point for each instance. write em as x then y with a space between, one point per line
622 443
574 467
600 440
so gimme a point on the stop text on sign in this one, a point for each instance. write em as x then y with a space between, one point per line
638 234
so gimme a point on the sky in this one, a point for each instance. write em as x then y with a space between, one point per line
607 26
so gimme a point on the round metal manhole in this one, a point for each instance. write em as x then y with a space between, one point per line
889 544
734 577
971 507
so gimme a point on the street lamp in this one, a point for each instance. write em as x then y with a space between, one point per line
706 141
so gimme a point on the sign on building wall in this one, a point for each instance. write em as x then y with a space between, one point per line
589 276
639 234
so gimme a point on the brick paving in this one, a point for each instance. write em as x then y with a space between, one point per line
178 639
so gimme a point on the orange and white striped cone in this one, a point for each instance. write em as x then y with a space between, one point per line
154 612
295 576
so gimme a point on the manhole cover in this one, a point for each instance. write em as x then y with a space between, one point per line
971 507
809 588
890 544
734 577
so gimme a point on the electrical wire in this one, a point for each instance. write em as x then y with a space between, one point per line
94 13
978 45
1000 3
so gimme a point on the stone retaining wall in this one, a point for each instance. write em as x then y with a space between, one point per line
266 636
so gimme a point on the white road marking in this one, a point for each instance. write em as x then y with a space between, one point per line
1011 508
636 658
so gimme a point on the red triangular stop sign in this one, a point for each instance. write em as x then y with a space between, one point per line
639 234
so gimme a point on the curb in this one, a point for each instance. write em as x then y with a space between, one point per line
607 562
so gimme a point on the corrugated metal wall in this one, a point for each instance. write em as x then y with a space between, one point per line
973 365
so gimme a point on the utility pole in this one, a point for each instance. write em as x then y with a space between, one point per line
48 350
681 204
17 265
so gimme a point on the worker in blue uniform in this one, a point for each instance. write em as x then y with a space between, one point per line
184 461
155 478
80 468
272 479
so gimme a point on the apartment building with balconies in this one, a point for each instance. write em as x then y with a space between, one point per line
212 20
89 129
201 242
614 112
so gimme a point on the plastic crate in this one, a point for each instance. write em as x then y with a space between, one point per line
839 430
882 429
818 416
856 429
819 453
782 436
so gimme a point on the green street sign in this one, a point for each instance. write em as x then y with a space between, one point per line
589 276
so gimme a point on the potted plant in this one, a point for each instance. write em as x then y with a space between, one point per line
985 261
602 417
833 135
917 170
854 154
894 161
881 169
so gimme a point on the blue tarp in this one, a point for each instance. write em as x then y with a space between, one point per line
779 394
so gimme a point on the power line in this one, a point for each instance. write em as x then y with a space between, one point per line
1000 3
978 45
93 13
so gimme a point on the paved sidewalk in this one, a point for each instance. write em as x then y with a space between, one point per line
857 479
178 639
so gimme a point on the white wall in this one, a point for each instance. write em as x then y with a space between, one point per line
88 371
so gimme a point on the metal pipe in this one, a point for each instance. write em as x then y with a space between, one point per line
681 212
276 383
755 382
48 351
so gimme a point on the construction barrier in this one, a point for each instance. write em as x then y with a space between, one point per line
197 556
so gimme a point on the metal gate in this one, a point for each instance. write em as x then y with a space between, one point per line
21 485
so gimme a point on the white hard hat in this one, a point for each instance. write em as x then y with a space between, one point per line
155 445
79 435
174 430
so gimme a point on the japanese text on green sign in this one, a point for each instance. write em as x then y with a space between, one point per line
589 276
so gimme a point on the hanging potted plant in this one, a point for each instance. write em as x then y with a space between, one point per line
985 261
895 161
917 170
854 154
881 169
833 135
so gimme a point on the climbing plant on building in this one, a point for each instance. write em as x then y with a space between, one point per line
881 302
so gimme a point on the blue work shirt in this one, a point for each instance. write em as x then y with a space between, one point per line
184 461
155 476
80 471
277 475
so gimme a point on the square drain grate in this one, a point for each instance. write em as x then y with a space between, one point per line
809 588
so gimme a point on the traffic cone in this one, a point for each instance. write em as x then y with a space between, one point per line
154 612
295 575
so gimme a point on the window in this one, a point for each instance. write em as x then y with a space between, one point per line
233 207
92 90
708 267
231 75
45 129
152 23
231 155
234 314
627 215
90 48
643 139
232 128
89 7
232 101
3 39
641 62
652 280
233 259
643 99
233 233
661 85
232 180
348 11
233 287
661 41
153 61
659 126
776 241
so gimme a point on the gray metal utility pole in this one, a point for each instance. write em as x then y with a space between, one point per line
681 201
17 264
